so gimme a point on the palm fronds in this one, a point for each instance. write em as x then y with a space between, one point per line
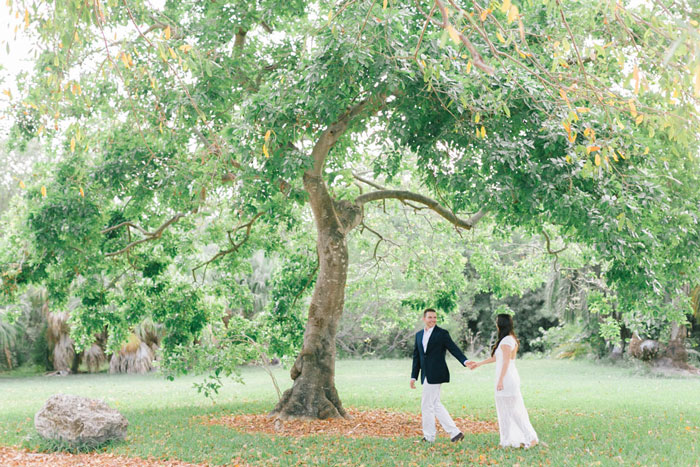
150 332
57 326
94 357
8 335
695 301
134 357
63 353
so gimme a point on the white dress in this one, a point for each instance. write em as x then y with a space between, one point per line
513 421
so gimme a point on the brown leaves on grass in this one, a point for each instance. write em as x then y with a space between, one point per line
376 423
11 457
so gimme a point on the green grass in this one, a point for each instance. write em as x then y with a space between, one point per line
587 413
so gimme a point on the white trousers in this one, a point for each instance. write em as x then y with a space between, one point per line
431 408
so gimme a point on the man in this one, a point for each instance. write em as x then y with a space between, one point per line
429 359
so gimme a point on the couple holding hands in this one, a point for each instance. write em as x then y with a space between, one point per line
431 344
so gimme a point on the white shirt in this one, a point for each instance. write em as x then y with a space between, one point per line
426 337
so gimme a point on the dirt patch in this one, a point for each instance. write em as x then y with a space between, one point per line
11 457
364 423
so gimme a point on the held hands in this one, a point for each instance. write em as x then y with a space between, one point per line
471 365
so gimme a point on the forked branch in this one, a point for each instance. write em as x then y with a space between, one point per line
549 247
381 239
148 236
554 253
234 246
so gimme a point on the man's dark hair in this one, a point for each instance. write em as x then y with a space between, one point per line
428 310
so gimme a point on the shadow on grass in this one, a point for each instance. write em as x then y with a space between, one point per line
37 443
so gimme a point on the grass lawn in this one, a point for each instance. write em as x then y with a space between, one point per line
587 413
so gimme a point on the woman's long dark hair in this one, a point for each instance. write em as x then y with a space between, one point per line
505 328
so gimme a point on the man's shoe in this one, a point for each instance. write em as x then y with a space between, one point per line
458 437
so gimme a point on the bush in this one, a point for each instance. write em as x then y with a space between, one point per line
531 317
39 353
569 340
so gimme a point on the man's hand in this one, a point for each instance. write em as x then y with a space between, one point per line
413 384
471 365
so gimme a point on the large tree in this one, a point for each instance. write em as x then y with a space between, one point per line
198 122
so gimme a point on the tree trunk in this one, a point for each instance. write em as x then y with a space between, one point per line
76 362
313 394
675 349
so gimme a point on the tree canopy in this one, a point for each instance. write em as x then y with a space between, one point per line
193 132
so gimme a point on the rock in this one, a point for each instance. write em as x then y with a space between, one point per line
649 349
646 350
79 420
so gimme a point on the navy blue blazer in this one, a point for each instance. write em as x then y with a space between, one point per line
431 362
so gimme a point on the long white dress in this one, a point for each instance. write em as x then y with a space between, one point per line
513 422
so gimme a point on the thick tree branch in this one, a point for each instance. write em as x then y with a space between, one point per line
379 187
239 41
148 235
429 202
322 204
334 131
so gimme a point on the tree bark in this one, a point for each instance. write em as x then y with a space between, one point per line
313 394
675 349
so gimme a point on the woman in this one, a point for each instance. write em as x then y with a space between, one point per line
513 421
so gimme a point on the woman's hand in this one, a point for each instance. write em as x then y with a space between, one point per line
499 386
